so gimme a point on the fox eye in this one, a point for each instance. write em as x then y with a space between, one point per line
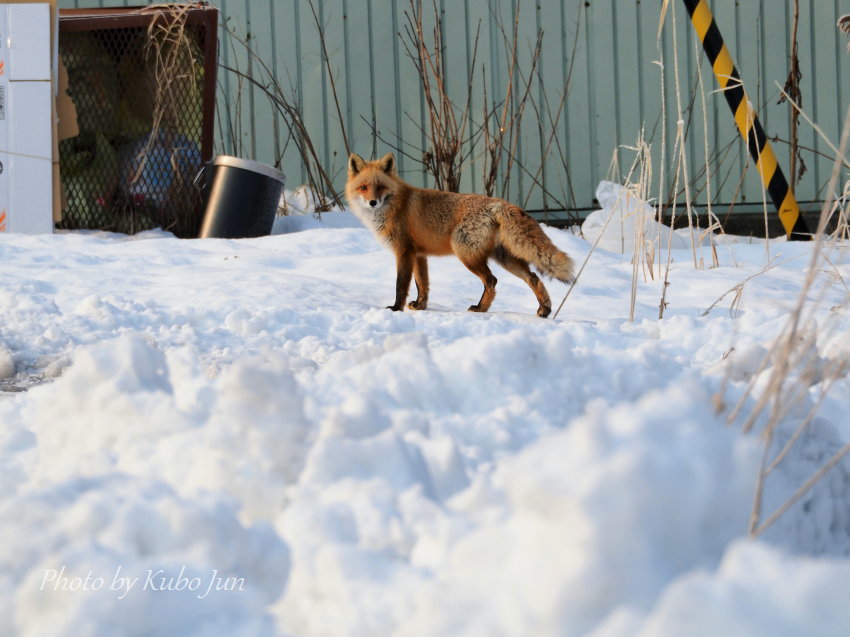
364 187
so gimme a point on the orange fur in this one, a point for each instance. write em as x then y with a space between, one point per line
418 222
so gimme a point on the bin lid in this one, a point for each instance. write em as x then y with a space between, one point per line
253 166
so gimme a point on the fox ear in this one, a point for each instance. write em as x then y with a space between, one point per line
355 164
387 164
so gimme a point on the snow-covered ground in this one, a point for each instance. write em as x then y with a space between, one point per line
225 437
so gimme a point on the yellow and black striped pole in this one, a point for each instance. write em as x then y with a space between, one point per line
748 123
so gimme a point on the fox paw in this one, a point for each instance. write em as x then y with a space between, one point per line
476 308
395 308
544 310
417 305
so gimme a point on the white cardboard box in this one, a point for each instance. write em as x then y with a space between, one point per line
4 192
26 126
27 129
27 27
26 196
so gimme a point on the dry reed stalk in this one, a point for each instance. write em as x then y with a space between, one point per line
553 122
661 173
844 25
260 76
838 156
453 136
801 491
553 141
679 146
792 88
638 241
569 291
174 56
510 121
713 221
643 251
792 351
842 224
447 123
751 116
836 370
496 136
320 28
649 250
841 231
683 156
834 270
738 290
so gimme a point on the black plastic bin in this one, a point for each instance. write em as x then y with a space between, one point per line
241 198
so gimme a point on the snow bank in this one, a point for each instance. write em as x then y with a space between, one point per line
579 526
245 415
125 556
125 406
626 223
757 591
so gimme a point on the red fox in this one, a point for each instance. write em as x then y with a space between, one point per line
417 222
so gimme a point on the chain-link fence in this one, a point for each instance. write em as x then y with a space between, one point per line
139 95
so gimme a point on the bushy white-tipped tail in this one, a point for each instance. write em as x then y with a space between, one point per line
523 237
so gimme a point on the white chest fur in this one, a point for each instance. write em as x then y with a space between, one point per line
373 218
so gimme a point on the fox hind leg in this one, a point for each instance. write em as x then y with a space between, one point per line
519 267
472 241
482 271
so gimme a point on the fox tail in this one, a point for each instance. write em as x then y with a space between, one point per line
522 236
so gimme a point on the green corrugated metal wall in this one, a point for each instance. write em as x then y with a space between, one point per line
615 87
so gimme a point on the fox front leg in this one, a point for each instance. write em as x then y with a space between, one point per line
420 275
404 273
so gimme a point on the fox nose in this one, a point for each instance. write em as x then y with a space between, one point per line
373 203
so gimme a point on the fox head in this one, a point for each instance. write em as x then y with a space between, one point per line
370 182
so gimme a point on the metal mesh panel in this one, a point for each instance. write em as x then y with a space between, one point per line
139 108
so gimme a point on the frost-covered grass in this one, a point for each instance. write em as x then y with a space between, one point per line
245 416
